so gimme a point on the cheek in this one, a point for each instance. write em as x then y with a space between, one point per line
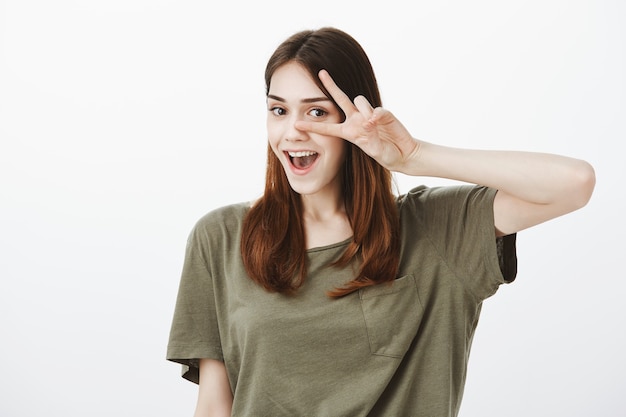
272 136
339 149
274 150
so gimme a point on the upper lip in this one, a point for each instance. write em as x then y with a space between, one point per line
300 153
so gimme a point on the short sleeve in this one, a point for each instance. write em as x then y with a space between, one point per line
459 222
507 256
194 332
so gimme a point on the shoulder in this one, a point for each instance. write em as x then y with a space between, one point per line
424 195
225 220
230 213
442 206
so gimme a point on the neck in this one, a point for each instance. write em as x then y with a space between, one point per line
319 207
325 221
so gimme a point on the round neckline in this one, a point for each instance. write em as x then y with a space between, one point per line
330 246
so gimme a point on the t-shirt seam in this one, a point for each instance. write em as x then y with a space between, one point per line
458 278
486 252
445 260
205 264
200 344
489 260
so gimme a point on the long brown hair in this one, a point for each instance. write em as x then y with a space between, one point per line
273 242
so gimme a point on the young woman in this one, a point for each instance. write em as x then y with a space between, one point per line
330 295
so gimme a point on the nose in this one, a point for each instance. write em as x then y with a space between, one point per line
292 134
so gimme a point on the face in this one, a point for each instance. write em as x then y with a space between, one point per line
312 162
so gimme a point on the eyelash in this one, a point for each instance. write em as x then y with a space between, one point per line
276 111
279 111
321 111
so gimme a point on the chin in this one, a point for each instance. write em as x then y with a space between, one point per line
302 189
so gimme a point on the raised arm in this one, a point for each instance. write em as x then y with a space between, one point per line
214 395
532 187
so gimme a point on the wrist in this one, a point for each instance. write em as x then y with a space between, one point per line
415 161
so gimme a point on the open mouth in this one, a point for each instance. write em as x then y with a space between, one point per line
302 159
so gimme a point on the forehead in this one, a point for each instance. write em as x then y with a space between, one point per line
293 82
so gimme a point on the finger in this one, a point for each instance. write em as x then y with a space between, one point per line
321 128
342 100
364 106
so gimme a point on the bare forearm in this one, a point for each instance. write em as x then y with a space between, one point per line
539 178
214 395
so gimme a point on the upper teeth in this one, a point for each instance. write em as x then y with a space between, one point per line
301 153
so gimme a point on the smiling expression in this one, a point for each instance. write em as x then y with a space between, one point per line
312 162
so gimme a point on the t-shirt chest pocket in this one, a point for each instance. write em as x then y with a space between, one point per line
392 316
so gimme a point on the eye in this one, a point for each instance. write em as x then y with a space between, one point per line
317 112
278 111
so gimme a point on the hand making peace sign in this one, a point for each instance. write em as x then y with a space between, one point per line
375 130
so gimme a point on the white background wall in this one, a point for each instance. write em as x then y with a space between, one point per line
123 121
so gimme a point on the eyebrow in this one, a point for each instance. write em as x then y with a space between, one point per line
304 100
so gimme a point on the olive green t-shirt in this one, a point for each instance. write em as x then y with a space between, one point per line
386 350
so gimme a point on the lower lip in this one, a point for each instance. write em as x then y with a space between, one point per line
300 171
